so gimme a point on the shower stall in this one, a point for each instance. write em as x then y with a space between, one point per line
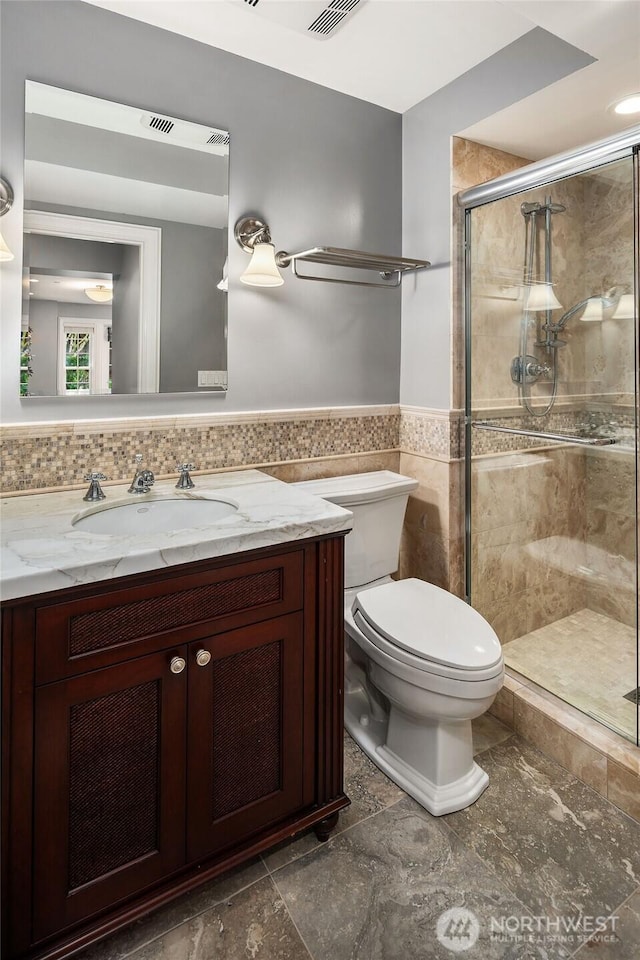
551 310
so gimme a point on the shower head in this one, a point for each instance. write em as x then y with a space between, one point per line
611 296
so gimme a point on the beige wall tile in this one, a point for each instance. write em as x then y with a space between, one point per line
502 707
624 789
573 754
507 615
473 163
425 556
627 756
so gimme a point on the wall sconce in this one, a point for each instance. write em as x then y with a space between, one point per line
255 238
593 311
6 202
625 308
540 296
224 283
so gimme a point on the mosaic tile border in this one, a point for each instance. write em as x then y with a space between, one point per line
36 456
431 433
57 454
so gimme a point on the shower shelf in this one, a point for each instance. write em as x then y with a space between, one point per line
387 267
539 435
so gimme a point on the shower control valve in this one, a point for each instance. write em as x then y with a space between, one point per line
528 369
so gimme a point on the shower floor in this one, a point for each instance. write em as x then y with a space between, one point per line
587 659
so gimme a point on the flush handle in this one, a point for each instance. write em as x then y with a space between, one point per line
177 664
203 657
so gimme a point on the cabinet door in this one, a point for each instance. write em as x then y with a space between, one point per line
109 787
246 733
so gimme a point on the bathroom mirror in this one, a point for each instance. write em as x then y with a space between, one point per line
125 247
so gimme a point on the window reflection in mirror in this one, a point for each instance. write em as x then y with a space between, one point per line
126 216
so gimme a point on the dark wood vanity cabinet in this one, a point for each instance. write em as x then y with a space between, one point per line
161 728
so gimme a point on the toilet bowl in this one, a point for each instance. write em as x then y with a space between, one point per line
420 664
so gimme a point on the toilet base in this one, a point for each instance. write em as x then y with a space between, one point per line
371 736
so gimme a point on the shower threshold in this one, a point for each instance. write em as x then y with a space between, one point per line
586 659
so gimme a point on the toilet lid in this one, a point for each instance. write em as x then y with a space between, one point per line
430 623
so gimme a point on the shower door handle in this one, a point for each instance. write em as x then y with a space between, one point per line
563 437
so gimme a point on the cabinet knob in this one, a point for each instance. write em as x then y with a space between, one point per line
177 664
203 657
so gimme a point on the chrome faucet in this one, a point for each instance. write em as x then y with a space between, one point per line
95 492
143 480
185 482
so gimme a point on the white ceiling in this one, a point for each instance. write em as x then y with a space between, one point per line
64 289
397 52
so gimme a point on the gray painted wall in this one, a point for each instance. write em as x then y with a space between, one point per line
321 168
192 332
67 253
124 331
530 63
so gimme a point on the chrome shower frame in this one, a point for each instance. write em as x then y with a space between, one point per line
542 173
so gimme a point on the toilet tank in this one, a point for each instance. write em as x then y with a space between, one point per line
378 502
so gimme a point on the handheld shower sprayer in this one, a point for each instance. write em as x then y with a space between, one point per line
604 300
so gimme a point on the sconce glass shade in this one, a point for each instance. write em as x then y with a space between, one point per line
99 294
262 270
593 311
224 283
540 296
625 308
5 252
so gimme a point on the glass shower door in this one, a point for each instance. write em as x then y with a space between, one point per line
552 437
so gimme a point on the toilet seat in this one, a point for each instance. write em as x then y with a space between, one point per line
459 643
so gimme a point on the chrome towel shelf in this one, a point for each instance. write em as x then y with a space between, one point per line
387 267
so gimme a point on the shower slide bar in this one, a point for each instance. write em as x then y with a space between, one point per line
539 435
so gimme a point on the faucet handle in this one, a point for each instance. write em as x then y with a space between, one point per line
138 459
185 482
95 492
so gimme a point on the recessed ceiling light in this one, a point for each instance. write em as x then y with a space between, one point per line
33 280
628 105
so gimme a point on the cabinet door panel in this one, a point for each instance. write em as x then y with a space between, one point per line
109 787
246 720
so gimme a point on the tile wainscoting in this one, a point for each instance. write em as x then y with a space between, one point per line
290 444
54 455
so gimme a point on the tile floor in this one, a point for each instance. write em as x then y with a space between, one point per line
565 656
538 844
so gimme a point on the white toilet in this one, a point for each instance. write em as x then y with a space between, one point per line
420 664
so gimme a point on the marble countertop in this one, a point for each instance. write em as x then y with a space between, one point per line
40 549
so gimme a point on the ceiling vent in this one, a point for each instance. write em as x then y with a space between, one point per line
184 132
319 19
332 16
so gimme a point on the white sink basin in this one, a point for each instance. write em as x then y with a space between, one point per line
155 516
